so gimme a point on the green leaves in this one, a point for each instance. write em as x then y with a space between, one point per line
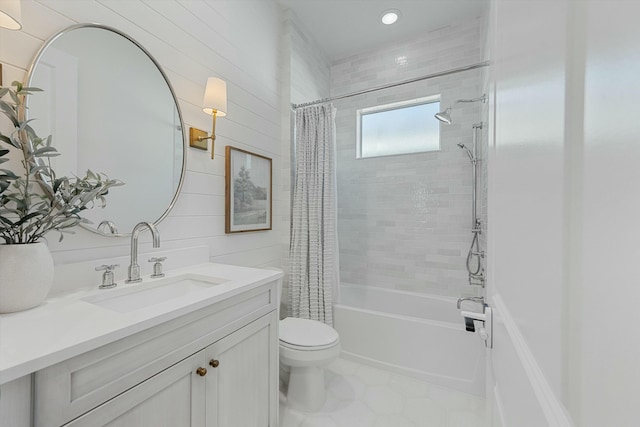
25 213
46 152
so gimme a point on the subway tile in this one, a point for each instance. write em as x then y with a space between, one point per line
406 218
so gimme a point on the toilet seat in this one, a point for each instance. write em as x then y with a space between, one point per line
307 348
305 334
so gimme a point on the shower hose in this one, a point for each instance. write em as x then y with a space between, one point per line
474 254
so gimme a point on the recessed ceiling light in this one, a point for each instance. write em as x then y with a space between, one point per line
390 16
402 61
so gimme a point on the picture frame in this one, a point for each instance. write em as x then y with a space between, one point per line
248 191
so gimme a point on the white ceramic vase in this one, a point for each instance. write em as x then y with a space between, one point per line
26 276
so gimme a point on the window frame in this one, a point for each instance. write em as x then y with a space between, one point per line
389 107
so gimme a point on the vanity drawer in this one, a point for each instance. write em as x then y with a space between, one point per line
77 385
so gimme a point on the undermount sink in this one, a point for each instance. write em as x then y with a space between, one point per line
156 292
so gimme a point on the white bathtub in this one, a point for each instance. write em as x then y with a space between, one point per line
418 335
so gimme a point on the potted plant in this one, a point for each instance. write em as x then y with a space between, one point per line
33 202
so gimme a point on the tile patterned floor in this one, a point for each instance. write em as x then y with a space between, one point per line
362 396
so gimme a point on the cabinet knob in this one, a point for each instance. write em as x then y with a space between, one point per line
214 363
201 371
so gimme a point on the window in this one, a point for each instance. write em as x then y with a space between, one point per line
399 128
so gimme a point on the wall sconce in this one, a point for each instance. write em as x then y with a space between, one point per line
215 104
10 14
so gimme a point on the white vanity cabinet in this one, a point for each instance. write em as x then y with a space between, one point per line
173 397
243 389
214 367
229 383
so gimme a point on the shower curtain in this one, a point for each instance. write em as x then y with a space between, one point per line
313 254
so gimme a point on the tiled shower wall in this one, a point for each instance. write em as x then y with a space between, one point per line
404 221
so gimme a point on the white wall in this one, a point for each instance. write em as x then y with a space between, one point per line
192 40
527 211
310 66
404 222
563 238
528 167
608 289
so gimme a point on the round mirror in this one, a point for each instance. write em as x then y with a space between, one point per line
111 109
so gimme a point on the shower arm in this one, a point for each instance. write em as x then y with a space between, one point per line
482 99
445 115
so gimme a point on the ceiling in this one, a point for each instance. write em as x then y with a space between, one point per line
346 27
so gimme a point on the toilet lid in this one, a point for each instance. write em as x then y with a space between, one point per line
306 333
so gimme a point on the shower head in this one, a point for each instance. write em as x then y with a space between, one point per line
444 116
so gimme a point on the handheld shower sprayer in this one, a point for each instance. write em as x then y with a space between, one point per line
445 115
469 153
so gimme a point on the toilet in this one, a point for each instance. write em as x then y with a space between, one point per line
306 348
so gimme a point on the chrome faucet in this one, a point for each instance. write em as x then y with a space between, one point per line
479 300
134 269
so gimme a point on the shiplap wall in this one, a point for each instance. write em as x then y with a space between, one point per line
238 41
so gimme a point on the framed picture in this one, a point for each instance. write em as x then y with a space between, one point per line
248 191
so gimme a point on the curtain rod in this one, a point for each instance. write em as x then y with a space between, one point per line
387 86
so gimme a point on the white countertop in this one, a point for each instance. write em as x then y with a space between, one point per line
66 326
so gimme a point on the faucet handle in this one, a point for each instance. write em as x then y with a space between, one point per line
107 277
157 266
107 267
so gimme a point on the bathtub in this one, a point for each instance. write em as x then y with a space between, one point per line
417 335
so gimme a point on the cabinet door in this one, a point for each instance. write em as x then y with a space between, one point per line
174 397
242 390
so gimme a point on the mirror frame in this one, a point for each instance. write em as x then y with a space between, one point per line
66 30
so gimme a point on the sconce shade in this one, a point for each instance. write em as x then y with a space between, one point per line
10 14
215 97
